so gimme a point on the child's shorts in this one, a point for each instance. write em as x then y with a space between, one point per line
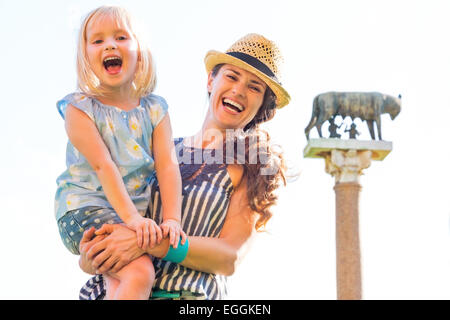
73 224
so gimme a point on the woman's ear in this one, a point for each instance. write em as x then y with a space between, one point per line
210 82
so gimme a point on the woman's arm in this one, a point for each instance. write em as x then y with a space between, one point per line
222 255
213 255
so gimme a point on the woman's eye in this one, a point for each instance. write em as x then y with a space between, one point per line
256 89
231 77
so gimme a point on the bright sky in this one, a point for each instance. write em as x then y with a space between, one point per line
387 46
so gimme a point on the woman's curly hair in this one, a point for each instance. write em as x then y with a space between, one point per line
264 165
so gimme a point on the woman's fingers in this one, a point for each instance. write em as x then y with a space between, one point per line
107 263
100 259
118 266
105 229
87 236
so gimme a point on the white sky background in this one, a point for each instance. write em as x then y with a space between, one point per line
387 46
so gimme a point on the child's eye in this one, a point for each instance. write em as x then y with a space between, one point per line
97 41
122 38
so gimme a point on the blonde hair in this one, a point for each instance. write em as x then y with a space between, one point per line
145 77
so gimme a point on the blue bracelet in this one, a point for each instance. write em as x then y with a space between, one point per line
177 255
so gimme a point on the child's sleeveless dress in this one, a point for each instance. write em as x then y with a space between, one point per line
80 201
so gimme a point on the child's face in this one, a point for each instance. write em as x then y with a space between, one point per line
112 52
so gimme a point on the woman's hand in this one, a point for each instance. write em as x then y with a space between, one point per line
117 248
113 248
85 245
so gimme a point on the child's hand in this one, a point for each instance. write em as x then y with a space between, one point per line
147 231
173 229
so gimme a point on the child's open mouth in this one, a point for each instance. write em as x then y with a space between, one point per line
232 105
113 65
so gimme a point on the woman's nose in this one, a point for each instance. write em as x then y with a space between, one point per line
239 88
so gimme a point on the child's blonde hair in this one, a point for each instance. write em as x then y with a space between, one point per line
145 77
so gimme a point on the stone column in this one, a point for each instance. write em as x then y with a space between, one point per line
345 160
346 167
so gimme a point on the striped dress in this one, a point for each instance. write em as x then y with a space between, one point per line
206 189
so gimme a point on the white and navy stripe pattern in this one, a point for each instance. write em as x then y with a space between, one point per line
207 189
94 289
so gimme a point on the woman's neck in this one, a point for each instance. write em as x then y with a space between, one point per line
208 138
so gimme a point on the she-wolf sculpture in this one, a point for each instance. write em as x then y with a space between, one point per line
367 106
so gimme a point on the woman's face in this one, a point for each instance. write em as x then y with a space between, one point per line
112 52
235 97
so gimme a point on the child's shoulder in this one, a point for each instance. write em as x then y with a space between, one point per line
77 99
152 100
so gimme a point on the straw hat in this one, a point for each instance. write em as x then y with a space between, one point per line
257 55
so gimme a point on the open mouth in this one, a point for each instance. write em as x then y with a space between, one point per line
112 64
232 105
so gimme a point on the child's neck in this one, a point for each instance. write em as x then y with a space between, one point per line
122 101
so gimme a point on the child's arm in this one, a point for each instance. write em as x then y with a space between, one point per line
84 136
169 179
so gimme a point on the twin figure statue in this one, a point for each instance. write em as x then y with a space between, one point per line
368 106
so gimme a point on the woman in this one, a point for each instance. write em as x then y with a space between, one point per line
227 195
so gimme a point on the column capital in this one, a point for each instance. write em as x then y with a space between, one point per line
347 165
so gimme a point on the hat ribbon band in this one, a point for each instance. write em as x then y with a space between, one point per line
254 63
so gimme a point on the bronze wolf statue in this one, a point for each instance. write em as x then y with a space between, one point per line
367 106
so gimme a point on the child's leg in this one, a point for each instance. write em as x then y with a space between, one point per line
111 285
132 282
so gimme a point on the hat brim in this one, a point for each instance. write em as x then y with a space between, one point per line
214 58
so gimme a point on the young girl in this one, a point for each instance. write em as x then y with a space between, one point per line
119 134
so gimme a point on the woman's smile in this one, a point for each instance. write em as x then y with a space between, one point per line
232 106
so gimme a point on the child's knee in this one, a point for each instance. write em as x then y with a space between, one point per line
141 270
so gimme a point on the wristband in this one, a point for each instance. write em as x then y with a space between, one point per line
177 255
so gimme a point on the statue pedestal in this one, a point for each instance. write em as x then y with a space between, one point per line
345 160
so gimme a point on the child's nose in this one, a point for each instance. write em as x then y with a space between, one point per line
110 45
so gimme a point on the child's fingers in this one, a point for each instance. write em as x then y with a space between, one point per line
146 235
183 237
152 235
139 237
173 238
165 230
159 234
